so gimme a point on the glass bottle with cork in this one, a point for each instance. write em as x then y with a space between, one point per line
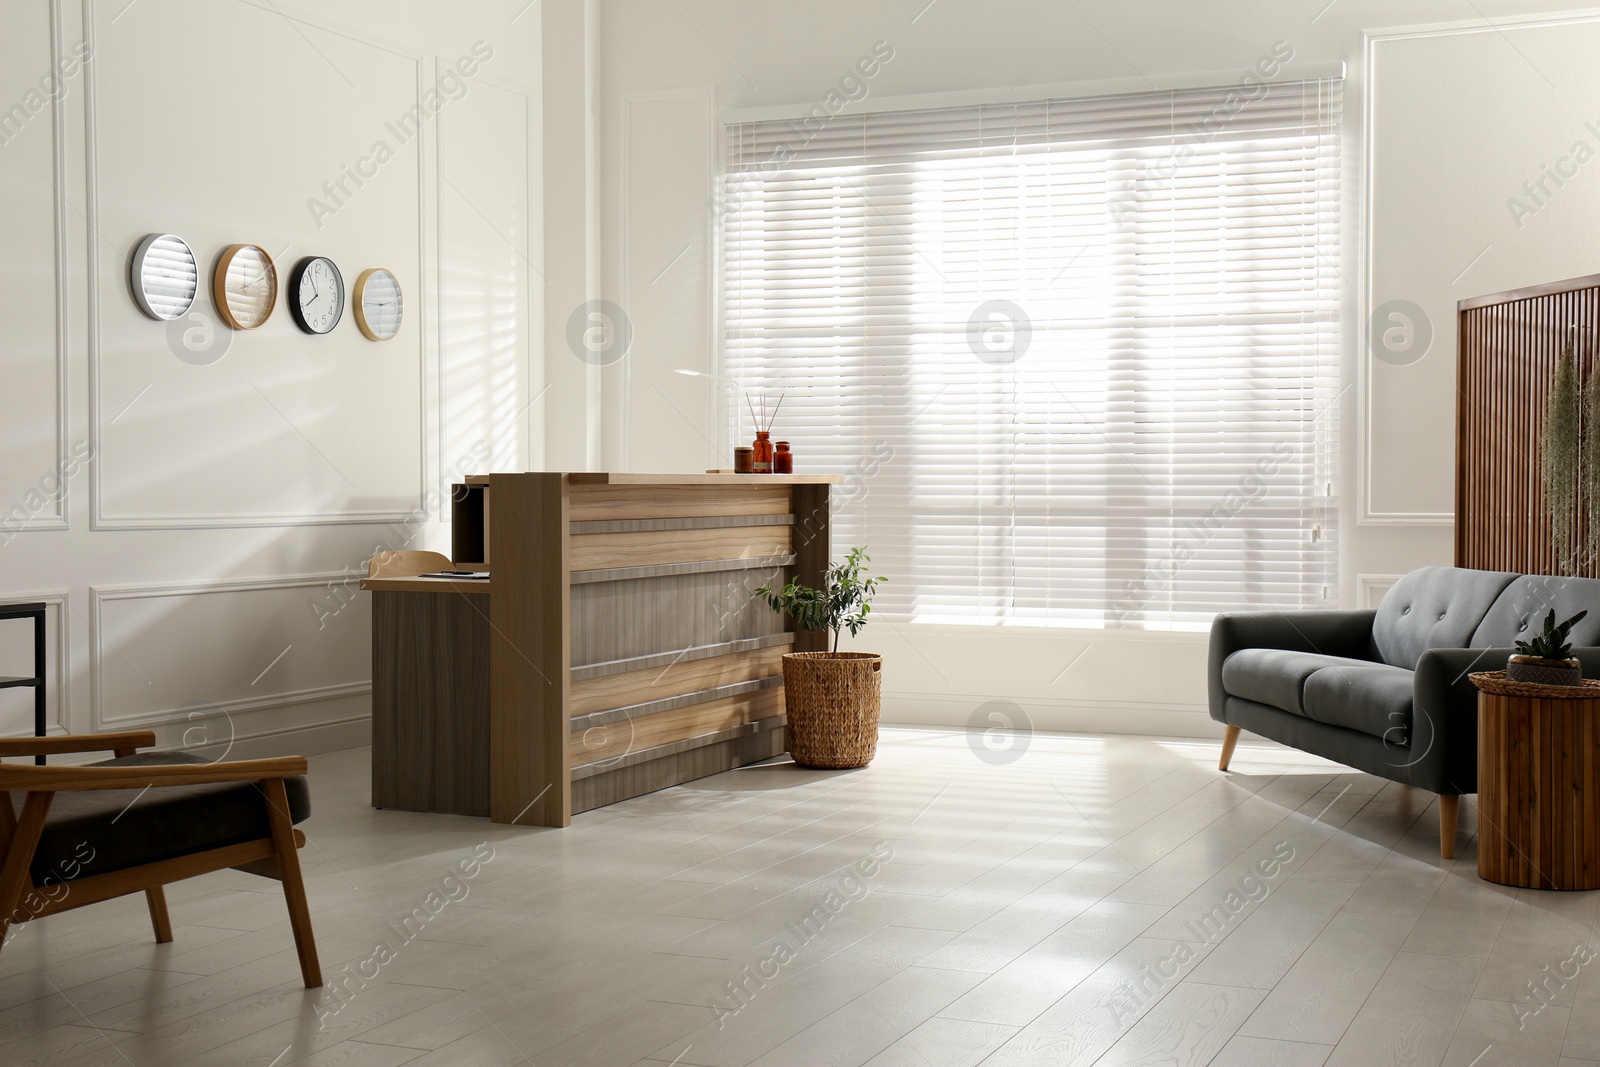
762 457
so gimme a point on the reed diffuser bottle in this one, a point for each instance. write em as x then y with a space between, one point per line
762 448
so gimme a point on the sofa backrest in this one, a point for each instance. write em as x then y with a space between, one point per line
1434 607
1519 612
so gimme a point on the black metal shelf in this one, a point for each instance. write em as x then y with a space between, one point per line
34 611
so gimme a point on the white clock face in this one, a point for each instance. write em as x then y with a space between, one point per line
321 296
165 276
249 286
381 305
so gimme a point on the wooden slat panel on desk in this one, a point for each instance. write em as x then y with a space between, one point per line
592 503
645 616
530 780
643 548
654 683
662 660
664 727
630 780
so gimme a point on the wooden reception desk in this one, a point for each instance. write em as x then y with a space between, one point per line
618 646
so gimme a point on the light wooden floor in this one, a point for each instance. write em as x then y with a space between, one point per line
1050 912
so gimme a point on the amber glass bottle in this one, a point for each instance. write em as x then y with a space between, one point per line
762 462
783 459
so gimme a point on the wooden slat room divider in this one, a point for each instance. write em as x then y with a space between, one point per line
1507 347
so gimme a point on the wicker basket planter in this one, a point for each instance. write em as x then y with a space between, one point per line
832 700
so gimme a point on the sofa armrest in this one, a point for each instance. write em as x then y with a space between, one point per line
1444 713
1330 632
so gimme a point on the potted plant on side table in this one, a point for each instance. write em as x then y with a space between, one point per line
833 698
1547 658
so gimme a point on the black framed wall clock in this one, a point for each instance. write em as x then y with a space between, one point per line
316 295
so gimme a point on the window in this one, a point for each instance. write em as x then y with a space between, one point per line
1077 358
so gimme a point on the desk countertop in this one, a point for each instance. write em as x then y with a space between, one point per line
471 586
626 478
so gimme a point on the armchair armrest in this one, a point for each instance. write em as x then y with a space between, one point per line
60 779
55 746
1330 632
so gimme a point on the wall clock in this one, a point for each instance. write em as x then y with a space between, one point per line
378 304
244 286
164 276
316 294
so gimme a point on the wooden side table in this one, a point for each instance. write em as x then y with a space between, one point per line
1538 783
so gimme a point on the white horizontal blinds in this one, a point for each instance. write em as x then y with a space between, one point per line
1167 266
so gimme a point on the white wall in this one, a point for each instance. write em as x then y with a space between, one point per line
1459 118
188 565
196 564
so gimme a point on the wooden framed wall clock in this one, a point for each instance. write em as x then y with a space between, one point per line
245 286
379 304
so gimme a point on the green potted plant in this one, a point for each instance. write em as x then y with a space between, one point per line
832 698
1547 658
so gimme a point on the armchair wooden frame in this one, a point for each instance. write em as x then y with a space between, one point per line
274 856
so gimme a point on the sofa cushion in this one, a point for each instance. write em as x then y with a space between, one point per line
1519 611
1372 698
1276 677
96 831
1434 607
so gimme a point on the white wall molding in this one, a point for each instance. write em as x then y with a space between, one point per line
1369 514
101 649
58 633
1485 25
1370 588
307 739
286 698
1372 511
99 520
60 518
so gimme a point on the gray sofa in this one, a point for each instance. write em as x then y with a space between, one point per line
1385 691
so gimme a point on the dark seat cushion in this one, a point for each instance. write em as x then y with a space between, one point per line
1373 698
98 831
1276 677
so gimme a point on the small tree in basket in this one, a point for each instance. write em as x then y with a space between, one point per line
843 602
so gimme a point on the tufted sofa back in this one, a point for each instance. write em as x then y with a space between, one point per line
1435 607
1452 607
1520 610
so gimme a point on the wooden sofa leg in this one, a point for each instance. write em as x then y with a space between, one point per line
1449 805
294 888
156 897
1229 739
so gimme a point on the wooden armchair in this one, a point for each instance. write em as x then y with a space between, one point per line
140 820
